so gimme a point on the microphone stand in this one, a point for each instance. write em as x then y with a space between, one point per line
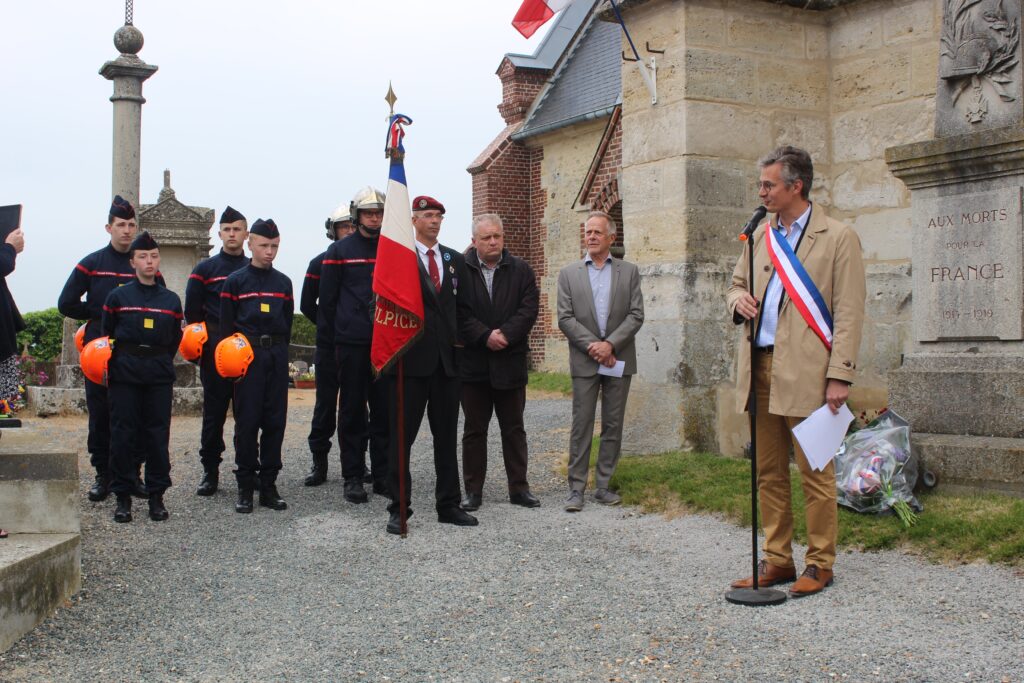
754 596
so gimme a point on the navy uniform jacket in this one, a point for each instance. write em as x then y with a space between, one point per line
95 276
346 290
309 299
257 302
145 322
202 292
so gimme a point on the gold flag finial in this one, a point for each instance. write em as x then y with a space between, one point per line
391 98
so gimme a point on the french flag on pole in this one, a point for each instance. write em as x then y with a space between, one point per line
535 13
398 316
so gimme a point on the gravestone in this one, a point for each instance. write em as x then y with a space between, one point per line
962 383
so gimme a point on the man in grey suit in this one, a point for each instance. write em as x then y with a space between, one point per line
600 310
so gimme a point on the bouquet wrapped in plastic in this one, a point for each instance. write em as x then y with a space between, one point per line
876 471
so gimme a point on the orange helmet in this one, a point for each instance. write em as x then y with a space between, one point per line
94 359
192 339
80 338
233 356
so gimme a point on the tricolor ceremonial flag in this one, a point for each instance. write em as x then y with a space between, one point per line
535 13
398 317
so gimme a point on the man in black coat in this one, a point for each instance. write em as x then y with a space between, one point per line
497 307
430 376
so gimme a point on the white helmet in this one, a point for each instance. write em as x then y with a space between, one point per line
366 199
339 215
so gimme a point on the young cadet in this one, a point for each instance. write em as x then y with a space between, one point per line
325 411
95 277
202 304
143 319
257 301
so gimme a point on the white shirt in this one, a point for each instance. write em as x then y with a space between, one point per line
422 249
773 294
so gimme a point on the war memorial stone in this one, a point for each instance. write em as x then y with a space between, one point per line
962 383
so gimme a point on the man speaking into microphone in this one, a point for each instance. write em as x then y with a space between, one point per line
809 309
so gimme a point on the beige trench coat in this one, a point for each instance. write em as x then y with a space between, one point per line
801 365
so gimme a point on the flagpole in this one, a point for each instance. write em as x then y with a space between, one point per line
640 65
403 508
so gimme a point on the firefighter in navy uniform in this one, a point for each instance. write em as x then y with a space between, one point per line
325 412
95 277
143 318
346 312
202 304
257 301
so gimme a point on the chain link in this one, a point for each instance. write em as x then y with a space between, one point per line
129 12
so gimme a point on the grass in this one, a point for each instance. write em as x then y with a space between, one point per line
952 528
551 383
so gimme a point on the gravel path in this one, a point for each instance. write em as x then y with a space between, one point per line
321 593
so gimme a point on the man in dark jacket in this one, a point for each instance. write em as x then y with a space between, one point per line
202 304
430 379
497 308
95 277
344 313
325 410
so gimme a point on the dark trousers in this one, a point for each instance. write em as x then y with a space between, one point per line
217 393
479 402
325 411
140 422
261 410
438 394
357 426
97 402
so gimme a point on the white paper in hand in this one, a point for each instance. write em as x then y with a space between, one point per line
613 371
821 434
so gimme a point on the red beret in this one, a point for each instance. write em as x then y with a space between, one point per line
423 203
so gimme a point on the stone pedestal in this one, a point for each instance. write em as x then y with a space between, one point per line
962 384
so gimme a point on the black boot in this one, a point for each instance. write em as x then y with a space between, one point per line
208 486
100 488
269 498
157 511
354 491
244 503
123 511
318 474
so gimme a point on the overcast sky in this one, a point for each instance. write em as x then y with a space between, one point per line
275 108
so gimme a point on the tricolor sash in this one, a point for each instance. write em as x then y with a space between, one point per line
799 286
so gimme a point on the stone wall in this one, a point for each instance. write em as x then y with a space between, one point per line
739 77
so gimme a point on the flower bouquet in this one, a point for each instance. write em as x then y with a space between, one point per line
876 471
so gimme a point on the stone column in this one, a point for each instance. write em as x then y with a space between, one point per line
961 385
128 73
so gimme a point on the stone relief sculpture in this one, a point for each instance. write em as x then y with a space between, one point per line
980 48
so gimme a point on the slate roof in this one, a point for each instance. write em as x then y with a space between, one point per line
588 79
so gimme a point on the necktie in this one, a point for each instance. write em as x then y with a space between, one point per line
435 276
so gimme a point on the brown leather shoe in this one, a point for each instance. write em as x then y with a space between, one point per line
813 580
767 575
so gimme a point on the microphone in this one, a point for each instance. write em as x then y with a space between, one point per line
751 225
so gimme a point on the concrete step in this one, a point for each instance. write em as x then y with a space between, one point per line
980 464
38 572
